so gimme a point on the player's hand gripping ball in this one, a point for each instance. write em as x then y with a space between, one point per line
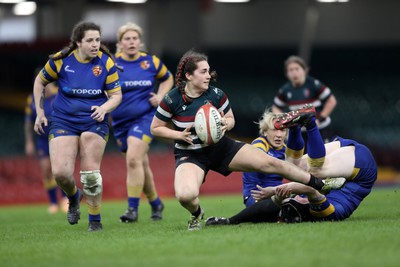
207 124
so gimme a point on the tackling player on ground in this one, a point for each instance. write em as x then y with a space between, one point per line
339 158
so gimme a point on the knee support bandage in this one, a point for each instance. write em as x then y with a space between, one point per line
92 182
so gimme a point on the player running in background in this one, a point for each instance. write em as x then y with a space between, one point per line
132 118
339 158
303 89
272 142
193 159
38 145
89 89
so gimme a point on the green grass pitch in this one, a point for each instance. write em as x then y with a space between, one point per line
371 237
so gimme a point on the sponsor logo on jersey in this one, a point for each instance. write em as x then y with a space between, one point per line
67 69
145 64
138 83
137 129
97 70
78 91
184 107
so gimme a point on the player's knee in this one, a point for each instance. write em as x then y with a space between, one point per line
92 182
185 196
134 162
62 177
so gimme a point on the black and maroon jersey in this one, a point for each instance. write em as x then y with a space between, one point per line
174 108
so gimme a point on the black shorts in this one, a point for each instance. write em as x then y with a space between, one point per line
216 157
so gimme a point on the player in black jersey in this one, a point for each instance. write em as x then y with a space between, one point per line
301 89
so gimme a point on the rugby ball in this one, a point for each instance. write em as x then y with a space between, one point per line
207 124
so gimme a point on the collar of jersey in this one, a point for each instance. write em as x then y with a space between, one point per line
79 59
130 59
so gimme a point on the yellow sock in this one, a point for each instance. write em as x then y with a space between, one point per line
134 191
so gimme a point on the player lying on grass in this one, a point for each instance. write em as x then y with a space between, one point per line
339 158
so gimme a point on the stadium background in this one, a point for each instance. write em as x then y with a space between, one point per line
353 47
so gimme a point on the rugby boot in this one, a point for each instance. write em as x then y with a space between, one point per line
294 118
217 221
74 209
129 216
156 213
95 226
195 223
331 184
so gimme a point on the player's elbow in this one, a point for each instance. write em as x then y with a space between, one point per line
332 101
154 130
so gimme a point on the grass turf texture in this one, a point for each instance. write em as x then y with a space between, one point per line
371 237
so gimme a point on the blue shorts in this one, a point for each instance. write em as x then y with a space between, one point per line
139 128
65 128
349 197
42 146
346 200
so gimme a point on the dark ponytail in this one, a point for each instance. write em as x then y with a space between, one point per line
179 77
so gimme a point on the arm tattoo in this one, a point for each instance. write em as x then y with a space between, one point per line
42 98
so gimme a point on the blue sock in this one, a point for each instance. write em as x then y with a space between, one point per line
74 197
155 203
311 124
315 144
133 202
52 192
93 218
295 139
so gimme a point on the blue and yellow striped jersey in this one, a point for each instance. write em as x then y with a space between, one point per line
138 79
251 179
82 84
